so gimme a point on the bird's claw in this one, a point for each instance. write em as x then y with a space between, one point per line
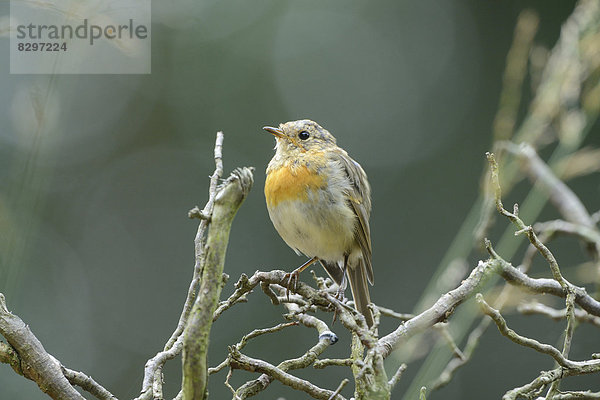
292 282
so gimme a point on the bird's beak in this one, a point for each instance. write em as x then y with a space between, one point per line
275 131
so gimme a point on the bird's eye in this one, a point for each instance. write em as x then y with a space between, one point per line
303 135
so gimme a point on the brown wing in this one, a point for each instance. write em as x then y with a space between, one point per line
359 198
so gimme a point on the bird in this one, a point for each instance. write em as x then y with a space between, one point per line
319 201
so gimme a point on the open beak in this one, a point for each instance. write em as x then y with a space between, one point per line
275 131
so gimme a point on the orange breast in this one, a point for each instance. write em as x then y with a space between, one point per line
291 184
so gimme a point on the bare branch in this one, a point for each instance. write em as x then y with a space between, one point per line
440 311
586 395
326 338
391 313
543 285
88 384
585 233
397 375
239 361
36 363
457 362
542 309
522 228
546 378
337 391
152 382
195 337
328 362
561 196
588 366
442 327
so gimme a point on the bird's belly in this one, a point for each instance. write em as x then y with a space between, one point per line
316 226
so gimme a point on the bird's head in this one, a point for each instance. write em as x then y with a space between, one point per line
300 137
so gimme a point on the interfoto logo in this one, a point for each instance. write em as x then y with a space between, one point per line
80 37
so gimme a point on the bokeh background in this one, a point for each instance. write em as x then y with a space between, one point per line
97 174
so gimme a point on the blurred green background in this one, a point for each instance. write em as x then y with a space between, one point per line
97 250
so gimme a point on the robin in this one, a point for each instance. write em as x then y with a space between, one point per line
319 201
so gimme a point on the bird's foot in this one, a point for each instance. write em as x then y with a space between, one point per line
292 282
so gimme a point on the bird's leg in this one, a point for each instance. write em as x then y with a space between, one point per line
340 292
292 277
344 282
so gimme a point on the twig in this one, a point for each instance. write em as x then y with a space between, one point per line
457 362
393 314
575 395
545 378
275 279
515 71
40 366
238 360
561 196
522 228
440 311
442 327
516 277
541 309
570 329
396 378
152 382
337 362
255 333
585 233
88 384
587 366
197 330
337 391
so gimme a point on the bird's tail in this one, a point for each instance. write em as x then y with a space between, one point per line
359 285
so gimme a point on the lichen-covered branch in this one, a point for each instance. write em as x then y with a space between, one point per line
153 380
196 333
34 362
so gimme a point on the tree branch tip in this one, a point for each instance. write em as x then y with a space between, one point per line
525 230
3 307
487 243
196 212
331 337
343 383
490 249
242 281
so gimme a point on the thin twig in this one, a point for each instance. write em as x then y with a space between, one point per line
522 228
88 384
337 391
591 365
442 327
337 362
240 361
397 375
557 315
